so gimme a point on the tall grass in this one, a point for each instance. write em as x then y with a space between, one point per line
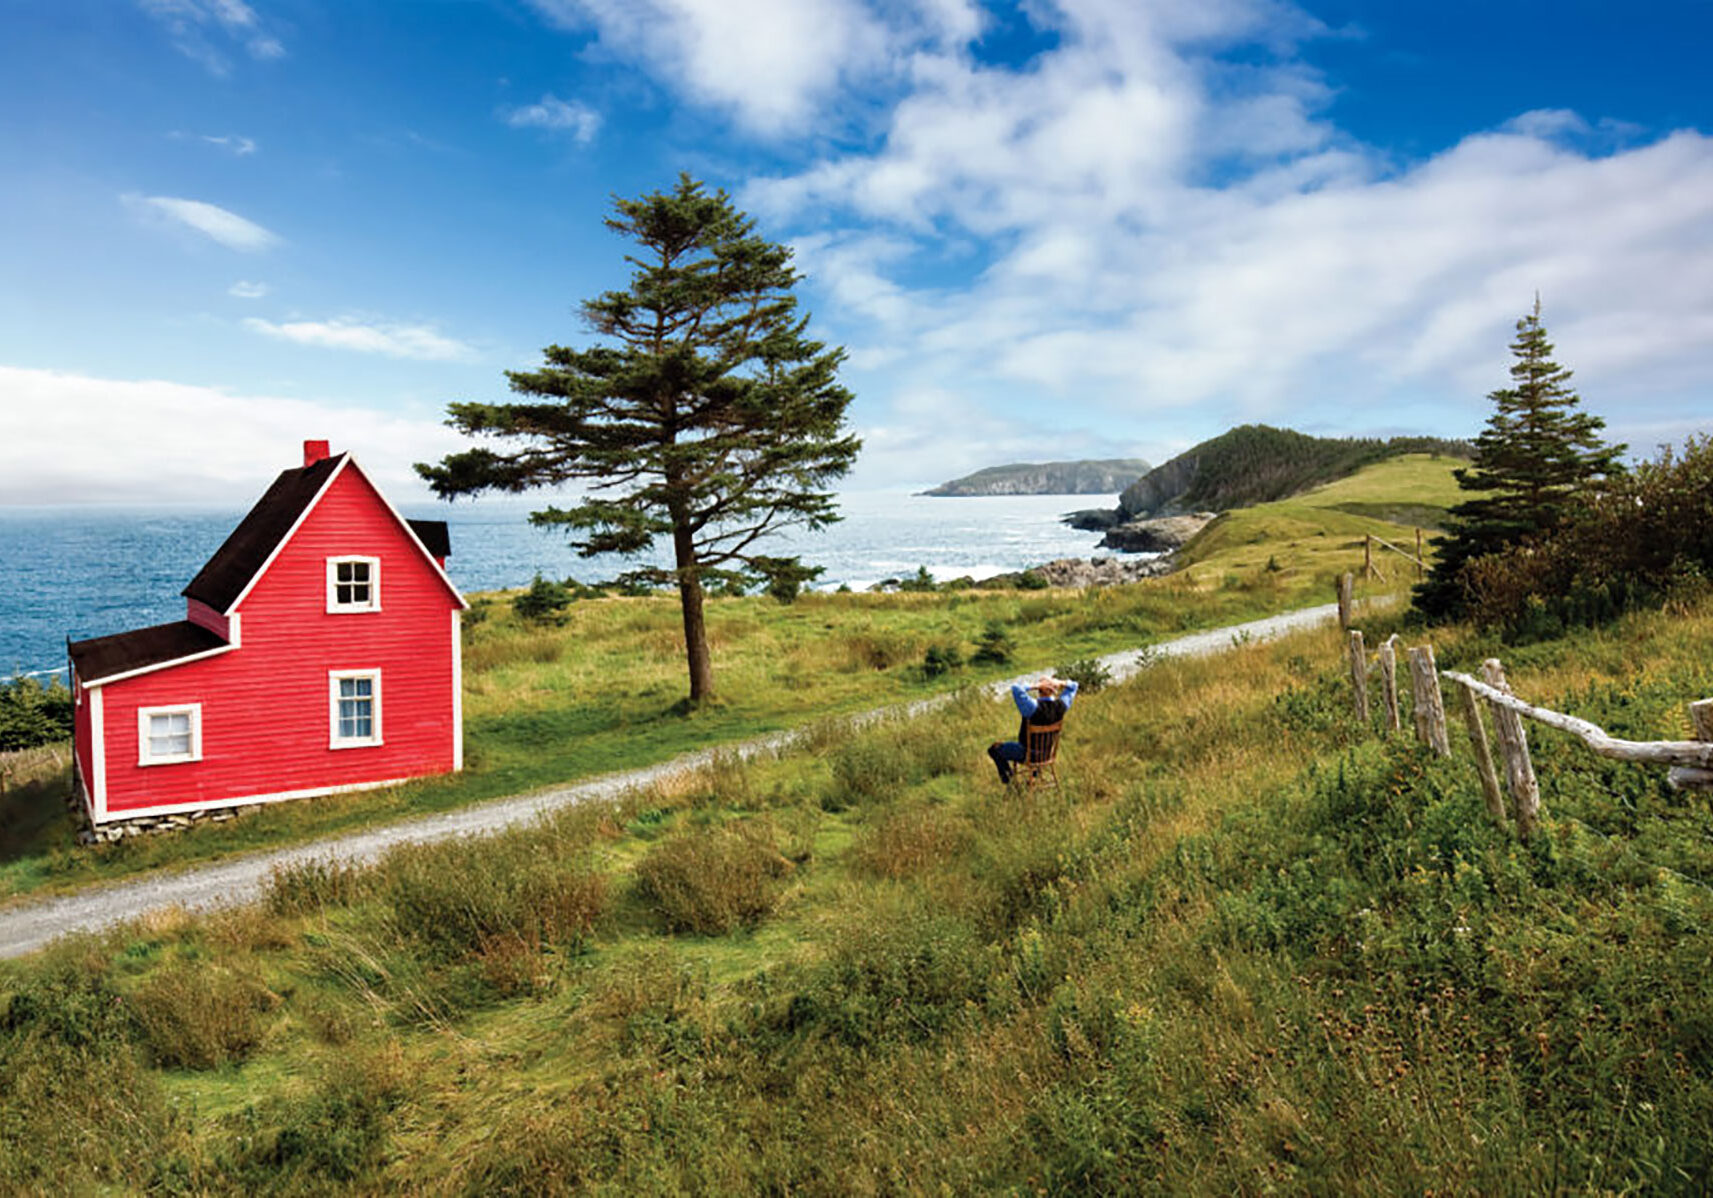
1248 946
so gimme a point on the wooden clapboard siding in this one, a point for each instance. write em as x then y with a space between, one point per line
265 705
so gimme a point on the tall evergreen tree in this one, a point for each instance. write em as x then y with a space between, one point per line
1538 451
704 414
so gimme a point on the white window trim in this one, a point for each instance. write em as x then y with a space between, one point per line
144 714
334 740
334 607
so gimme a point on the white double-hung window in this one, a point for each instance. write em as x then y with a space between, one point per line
354 708
166 735
353 584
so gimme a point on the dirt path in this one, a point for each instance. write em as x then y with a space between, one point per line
27 927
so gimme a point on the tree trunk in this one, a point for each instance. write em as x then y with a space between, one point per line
695 627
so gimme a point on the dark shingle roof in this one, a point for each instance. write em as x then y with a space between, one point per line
106 656
434 537
236 562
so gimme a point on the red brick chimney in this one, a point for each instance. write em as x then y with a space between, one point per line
315 451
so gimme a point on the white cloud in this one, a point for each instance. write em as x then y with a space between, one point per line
244 289
169 442
203 31
240 146
556 115
228 228
1181 243
772 63
416 341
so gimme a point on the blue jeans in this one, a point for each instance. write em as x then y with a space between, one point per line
1005 754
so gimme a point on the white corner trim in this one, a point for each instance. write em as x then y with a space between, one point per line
457 690
376 703
97 756
247 800
290 533
336 608
144 714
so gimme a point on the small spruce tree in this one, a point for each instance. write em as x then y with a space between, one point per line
1537 452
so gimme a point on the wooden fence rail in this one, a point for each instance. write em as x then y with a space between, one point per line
1654 752
1370 570
1690 761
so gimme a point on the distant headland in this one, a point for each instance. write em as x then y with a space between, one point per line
1097 477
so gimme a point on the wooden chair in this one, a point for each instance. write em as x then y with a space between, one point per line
1041 756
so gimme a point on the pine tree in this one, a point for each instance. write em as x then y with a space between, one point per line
704 415
1536 454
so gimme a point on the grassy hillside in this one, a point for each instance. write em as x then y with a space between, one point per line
1248 946
546 705
1256 463
1316 533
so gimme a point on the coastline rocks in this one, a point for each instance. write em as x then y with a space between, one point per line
1161 534
1094 519
1101 571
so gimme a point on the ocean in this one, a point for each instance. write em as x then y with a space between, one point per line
76 572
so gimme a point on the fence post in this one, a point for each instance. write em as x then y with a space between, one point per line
1430 708
1421 570
1687 777
1359 674
1514 743
1346 599
1389 685
1483 756
1367 555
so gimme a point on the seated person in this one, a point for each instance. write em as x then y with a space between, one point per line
1055 700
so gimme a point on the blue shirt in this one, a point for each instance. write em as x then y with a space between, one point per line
1027 703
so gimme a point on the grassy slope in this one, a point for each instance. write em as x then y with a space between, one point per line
546 706
1314 534
1249 945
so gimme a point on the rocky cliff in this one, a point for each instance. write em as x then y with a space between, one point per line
1097 477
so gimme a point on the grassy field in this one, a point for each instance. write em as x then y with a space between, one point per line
1310 538
548 705
1249 945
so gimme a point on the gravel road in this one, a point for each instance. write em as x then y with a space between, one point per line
27 927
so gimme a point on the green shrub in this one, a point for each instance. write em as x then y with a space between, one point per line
1088 673
994 646
543 603
1029 580
711 881
941 659
1644 539
921 581
32 714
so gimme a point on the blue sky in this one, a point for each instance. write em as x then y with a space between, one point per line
1042 230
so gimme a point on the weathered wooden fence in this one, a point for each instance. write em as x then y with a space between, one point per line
1690 761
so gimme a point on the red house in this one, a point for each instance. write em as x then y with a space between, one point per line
319 653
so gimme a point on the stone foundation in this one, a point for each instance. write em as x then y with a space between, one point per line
89 832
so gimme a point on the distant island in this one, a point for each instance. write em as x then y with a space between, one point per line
1104 477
